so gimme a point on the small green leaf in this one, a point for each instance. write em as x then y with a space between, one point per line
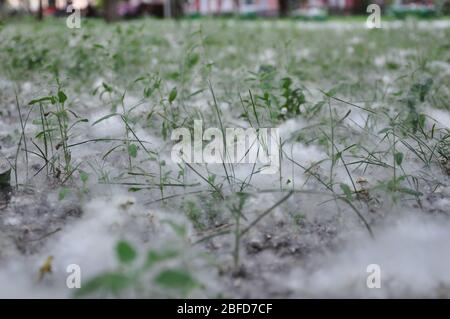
398 158
42 134
107 87
148 92
175 279
347 191
192 60
332 92
141 78
173 95
84 176
43 99
125 252
409 191
104 118
63 193
132 150
337 157
61 97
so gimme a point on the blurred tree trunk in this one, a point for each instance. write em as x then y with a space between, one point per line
177 7
40 11
283 8
111 11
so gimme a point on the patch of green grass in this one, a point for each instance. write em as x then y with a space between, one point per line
356 105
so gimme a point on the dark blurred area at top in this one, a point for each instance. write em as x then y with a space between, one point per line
114 10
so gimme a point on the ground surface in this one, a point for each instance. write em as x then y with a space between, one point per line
86 122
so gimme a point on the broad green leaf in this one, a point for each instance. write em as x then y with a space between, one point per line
398 158
192 60
175 279
125 252
109 282
173 95
62 97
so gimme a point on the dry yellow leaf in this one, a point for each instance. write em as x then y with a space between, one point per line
45 268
